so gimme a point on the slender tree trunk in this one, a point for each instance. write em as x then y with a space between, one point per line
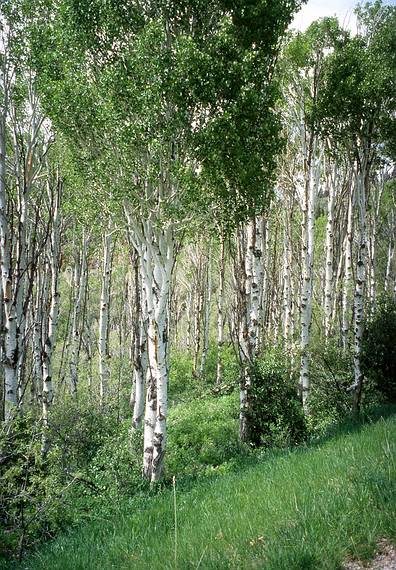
208 300
80 281
50 340
220 312
347 273
243 286
361 181
286 280
389 261
199 301
140 347
329 256
312 181
373 243
250 287
104 320
10 357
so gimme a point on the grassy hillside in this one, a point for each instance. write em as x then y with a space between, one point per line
312 507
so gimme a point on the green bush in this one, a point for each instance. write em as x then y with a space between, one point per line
116 469
331 374
31 494
379 349
183 386
276 416
40 496
78 429
203 434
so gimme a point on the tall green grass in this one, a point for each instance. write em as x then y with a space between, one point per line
309 508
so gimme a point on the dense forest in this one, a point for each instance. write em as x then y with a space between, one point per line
197 245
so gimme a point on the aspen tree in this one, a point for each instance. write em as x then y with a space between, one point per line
220 310
355 107
79 289
104 311
207 308
51 322
168 94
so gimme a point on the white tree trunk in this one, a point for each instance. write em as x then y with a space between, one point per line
360 281
80 277
207 306
373 241
220 312
104 320
140 349
389 261
255 282
286 280
347 273
250 287
10 356
308 204
329 254
158 245
50 337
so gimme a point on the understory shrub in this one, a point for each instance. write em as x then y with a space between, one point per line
276 415
203 434
183 386
331 374
23 491
379 349
39 496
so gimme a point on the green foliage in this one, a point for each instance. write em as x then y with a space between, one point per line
356 102
182 385
22 490
116 469
203 435
331 371
311 508
126 83
379 348
276 414
41 496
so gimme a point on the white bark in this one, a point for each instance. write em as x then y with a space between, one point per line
347 273
198 306
389 261
308 204
207 306
265 232
140 348
37 334
254 260
329 271
80 276
373 241
10 356
286 277
249 310
220 312
50 339
360 280
158 244
243 288
104 320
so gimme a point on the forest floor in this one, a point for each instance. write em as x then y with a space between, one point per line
324 506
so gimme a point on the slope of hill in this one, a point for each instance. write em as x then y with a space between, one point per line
312 507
